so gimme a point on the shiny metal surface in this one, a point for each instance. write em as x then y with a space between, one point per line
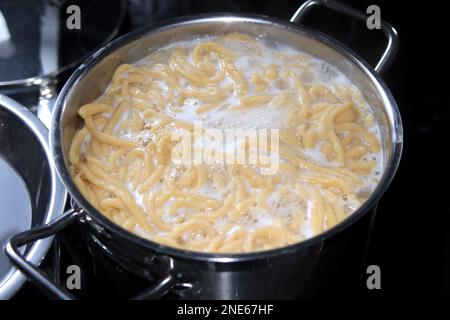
44 231
287 272
24 144
46 45
38 60
220 275
391 34
93 76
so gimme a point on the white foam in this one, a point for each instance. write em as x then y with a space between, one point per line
263 116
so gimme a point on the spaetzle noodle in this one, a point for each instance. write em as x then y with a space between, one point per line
329 146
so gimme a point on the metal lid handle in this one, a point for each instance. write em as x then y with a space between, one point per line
12 245
30 270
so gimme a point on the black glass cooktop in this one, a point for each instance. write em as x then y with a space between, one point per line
411 237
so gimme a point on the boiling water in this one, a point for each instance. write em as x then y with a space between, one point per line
284 201
15 207
268 117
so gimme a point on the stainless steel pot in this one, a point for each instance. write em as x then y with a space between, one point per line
292 271
24 146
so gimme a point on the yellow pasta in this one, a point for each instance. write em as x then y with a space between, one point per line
326 151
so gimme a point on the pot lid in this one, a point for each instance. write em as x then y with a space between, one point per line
31 193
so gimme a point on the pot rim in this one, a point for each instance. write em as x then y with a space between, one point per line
92 213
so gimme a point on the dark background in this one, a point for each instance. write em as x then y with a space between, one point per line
411 239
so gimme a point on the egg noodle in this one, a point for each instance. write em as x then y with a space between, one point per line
327 146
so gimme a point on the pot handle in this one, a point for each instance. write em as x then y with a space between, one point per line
37 276
13 244
392 38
